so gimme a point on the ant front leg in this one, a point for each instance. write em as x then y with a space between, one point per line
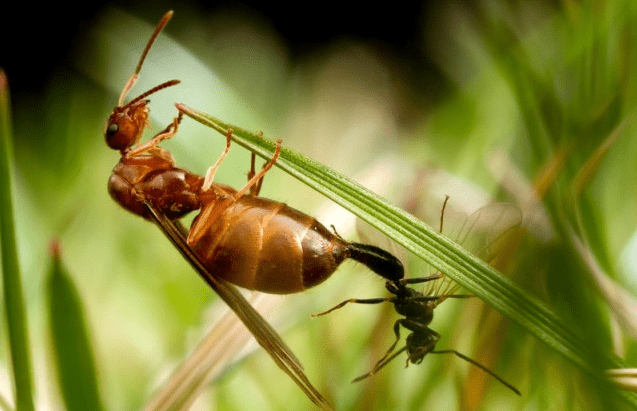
419 280
152 144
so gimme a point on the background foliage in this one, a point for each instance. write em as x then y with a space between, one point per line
498 99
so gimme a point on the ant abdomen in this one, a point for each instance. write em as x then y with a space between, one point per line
264 245
267 246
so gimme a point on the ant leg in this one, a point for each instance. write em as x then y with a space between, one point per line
422 279
397 325
357 301
257 177
256 188
442 212
482 367
379 366
151 144
251 174
386 358
336 232
440 297
210 174
210 213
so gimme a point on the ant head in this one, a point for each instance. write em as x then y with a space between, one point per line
126 124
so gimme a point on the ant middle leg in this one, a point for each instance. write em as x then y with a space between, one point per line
210 212
210 174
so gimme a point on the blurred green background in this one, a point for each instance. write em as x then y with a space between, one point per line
505 97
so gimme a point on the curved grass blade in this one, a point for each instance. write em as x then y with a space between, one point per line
13 293
263 333
435 249
76 369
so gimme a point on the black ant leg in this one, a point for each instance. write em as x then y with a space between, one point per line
482 367
356 301
379 366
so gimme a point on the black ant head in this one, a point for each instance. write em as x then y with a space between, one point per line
419 345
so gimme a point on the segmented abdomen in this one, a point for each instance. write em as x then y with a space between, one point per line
267 246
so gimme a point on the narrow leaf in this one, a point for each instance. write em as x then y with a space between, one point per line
13 292
425 242
258 327
77 374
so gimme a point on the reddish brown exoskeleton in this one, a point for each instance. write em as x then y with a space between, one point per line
147 182
252 242
255 243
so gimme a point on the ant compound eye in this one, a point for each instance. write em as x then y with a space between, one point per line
111 130
117 136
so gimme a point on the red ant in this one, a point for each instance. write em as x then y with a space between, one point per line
252 242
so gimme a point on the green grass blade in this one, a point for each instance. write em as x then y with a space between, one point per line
425 242
76 369
13 293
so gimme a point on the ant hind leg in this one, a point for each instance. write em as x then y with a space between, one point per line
257 178
211 212
256 188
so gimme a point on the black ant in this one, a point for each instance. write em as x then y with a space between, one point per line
417 309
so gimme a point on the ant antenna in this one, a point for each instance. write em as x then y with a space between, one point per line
385 361
133 79
155 89
482 367
442 212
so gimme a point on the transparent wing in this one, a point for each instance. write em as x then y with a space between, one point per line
483 233
260 329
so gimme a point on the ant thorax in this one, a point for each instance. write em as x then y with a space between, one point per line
139 181
411 303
